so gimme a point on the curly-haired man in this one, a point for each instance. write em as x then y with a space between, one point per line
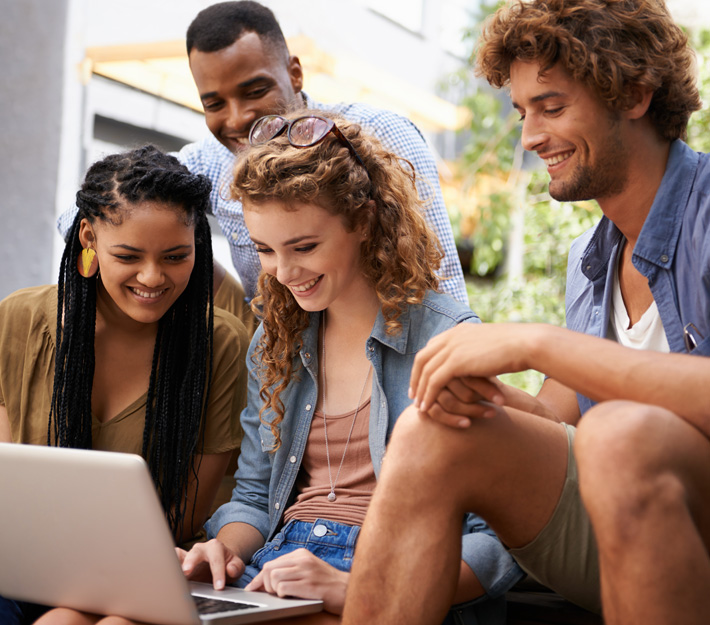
604 89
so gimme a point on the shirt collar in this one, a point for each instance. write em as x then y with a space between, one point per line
658 239
397 342
659 236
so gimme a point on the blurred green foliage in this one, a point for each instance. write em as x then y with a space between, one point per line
699 127
494 185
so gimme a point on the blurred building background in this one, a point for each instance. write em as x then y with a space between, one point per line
82 78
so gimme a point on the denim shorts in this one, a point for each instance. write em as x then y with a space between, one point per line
20 612
335 544
332 542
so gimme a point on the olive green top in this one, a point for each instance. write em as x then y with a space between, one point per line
27 349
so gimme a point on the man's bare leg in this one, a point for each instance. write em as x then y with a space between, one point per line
509 469
645 479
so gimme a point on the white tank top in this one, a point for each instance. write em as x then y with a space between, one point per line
646 333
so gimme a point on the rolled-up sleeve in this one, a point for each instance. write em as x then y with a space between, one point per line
250 497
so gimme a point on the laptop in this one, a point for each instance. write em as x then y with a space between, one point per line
85 530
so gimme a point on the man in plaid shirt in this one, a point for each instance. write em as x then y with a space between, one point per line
243 70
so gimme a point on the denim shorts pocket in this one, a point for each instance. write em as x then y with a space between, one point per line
261 555
264 554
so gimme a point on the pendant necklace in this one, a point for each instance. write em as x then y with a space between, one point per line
331 495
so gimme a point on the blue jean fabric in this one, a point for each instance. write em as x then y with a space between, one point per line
19 612
334 543
266 479
672 253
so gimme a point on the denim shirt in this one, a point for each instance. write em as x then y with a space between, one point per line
672 252
265 481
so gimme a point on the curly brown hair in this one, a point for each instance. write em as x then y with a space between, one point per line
399 255
609 45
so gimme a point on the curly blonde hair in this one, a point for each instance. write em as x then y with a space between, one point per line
399 255
609 45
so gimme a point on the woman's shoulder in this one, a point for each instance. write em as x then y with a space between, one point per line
434 314
29 306
230 294
444 307
228 329
31 296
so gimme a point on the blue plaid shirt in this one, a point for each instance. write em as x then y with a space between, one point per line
396 133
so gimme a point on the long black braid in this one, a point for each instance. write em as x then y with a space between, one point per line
181 371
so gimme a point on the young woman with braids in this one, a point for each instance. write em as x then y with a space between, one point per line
347 296
127 353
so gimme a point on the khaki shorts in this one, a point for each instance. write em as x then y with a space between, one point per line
563 556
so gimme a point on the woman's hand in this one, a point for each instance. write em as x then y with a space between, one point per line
302 574
465 399
211 561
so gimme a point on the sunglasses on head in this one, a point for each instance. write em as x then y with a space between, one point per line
303 132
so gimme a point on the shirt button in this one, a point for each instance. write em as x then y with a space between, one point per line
292 459
588 267
276 505
664 258
308 406
307 355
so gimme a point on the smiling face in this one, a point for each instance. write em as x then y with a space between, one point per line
145 262
241 83
572 130
310 251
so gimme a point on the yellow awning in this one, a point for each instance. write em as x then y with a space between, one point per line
161 68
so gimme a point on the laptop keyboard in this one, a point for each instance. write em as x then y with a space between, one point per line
209 605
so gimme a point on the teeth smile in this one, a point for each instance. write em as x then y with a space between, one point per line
553 160
304 287
146 294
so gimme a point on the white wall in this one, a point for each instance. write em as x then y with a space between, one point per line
31 75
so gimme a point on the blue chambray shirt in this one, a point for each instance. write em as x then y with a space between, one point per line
265 481
396 133
673 252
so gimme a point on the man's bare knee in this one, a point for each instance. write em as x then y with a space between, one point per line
622 472
414 442
609 432
424 452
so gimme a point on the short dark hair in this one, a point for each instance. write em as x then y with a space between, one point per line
607 44
220 25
